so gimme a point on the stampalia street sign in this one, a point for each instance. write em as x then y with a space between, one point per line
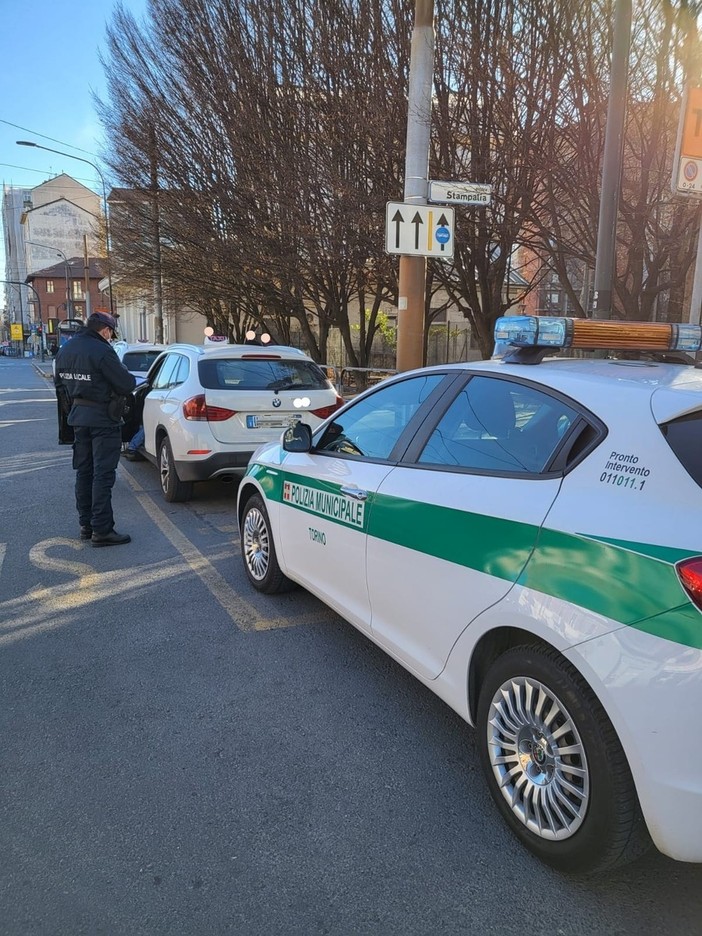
460 193
419 230
687 165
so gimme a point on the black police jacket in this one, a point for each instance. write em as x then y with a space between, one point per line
88 369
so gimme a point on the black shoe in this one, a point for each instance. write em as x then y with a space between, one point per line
132 456
86 532
113 538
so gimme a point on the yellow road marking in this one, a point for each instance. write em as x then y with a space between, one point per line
47 608
42 609
79 593
243 614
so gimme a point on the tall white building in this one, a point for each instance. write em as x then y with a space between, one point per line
58 215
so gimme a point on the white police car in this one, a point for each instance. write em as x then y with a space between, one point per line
526 540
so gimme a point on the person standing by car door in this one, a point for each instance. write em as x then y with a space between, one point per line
89 373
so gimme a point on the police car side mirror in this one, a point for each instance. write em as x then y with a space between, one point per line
297 438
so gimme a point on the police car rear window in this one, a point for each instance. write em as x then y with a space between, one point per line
684 436
252 374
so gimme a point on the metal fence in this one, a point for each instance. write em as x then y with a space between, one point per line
446 344
352 380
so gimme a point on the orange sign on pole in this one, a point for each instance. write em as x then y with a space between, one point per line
687 164
691 144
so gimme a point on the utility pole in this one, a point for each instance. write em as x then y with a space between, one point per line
156 223
605 261
86 273
413 270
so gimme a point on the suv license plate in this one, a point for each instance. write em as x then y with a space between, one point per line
272 422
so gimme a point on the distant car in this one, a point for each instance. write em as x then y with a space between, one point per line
139 357
523 535
206 409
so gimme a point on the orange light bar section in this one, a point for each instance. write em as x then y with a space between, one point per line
640 336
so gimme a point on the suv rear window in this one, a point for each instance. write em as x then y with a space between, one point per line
261 374
684 436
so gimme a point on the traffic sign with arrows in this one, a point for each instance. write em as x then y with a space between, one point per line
419 230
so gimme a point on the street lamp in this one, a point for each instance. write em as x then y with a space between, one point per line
104 206
38 301
67 267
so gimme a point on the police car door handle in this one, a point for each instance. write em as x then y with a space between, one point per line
356 493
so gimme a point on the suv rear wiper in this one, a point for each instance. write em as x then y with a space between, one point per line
283 384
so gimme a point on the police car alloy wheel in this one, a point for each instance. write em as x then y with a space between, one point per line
554 765
258 550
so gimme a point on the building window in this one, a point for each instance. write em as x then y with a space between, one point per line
76 289
49 286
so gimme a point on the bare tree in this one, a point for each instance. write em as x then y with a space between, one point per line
278 129
260 143
656 230
499 70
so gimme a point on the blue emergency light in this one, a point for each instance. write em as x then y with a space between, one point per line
538 331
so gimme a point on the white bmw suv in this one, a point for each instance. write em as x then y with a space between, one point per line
205 410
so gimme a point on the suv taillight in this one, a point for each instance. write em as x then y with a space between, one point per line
325 411
196 408
690 575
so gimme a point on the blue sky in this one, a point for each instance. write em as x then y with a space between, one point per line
50 67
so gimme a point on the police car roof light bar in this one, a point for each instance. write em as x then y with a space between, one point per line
555 333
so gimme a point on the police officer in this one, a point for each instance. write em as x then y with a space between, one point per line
88 370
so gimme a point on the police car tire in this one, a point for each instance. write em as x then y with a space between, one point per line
613 831
272 581
174 490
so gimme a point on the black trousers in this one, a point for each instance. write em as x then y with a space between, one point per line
96 452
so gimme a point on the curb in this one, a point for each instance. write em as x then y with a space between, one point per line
42 373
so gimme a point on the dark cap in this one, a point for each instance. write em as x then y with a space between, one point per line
101 319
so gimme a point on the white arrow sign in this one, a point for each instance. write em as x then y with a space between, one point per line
419 230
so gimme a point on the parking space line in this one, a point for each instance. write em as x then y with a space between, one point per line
243 614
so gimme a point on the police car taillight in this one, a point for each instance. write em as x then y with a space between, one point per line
196 408
536 331
690 575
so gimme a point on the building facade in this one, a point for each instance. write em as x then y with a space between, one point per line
63 291
58 219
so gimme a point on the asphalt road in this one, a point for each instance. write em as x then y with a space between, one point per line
180 755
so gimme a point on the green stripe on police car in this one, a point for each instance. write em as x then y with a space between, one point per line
627 582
